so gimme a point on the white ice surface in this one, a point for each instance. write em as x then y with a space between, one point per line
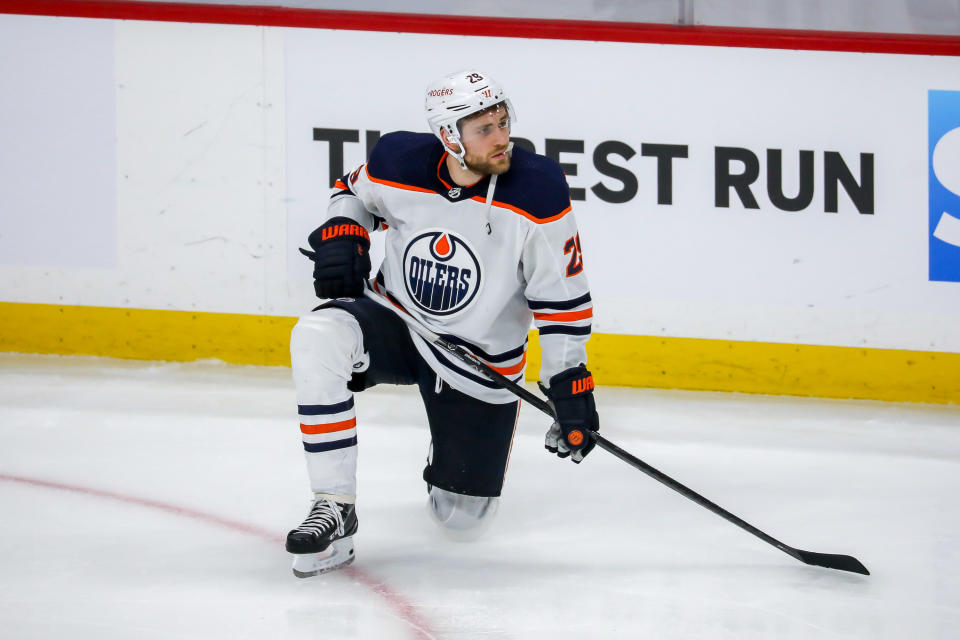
591 551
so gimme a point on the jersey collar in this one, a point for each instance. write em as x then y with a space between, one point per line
454 192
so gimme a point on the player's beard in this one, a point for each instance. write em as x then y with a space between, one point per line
488 166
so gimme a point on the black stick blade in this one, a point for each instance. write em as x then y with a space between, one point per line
833 561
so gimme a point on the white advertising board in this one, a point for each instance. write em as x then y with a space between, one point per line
224 139
721 193
57 156
189 158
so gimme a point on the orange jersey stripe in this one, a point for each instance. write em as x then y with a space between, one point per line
496 203
332 427
512 369
398 185
339 185
528 216
566 316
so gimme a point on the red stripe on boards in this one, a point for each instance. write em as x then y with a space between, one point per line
496 27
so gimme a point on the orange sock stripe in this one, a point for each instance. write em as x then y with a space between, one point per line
332 427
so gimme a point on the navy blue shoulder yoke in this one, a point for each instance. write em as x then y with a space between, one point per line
406 158
535 185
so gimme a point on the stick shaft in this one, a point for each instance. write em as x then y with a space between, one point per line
689 493
832 561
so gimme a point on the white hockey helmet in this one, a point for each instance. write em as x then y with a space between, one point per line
457 96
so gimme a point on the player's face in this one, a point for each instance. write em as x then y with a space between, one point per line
485 139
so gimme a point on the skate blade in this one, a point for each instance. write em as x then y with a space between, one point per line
338 554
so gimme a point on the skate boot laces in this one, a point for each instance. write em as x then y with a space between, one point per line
324 514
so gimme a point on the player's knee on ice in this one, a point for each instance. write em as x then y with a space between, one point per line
463 518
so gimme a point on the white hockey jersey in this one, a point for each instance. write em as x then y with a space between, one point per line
473 265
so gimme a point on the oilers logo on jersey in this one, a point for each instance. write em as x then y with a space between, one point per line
443 275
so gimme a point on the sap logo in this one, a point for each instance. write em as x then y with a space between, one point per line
441 272
944 171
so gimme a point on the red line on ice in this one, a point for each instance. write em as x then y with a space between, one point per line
400 605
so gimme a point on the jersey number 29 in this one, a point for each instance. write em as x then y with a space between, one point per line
572 246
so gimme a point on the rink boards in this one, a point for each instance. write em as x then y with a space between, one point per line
752 219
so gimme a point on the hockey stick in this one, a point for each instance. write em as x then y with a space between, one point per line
828 560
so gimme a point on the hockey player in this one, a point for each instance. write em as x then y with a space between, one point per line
480 240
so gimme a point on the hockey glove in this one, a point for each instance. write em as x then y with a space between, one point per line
341 258
571 393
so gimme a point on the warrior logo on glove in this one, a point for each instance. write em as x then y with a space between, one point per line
331 232
341 258
583 384
443 275
571 394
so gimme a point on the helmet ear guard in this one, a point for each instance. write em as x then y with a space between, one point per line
456 96
453 136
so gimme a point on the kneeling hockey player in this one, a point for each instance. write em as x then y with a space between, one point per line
480 240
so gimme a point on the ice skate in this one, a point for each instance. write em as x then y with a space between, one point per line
324 541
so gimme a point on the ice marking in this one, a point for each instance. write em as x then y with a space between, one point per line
401 608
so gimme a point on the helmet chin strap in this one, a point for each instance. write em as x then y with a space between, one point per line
455 139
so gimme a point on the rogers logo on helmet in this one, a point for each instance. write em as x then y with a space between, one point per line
440 92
